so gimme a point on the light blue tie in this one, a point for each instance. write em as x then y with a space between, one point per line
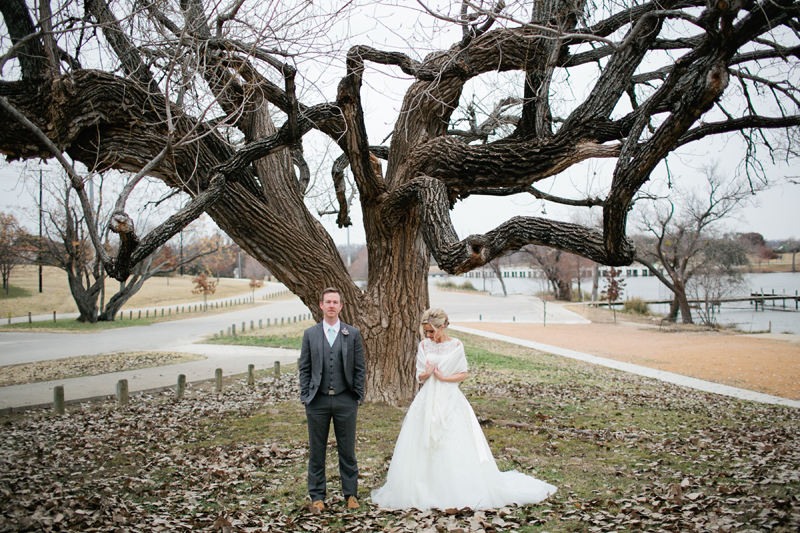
331 336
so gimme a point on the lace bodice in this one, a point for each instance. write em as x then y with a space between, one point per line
439 348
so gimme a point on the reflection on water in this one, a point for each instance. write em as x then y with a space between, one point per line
741 314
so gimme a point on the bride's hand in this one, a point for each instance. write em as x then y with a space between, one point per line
429 368
438 373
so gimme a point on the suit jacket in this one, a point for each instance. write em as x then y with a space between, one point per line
315 345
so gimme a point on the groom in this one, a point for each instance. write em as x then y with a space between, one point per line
332 372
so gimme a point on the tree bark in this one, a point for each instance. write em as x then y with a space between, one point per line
85 293
682 303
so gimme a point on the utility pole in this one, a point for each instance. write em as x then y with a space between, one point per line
181 253
40 229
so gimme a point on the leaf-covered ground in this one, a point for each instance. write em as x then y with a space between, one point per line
627 453
90 365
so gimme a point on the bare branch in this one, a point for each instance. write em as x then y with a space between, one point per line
738 124
230 15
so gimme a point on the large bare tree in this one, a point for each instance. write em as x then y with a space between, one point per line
204 96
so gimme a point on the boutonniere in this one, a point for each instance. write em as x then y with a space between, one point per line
345 332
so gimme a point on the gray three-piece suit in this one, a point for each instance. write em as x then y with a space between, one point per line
332 387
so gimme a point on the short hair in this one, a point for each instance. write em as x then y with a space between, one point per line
434 317
330 289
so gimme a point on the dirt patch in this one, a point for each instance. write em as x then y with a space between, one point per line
767 365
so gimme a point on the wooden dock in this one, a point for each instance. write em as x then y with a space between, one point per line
755 298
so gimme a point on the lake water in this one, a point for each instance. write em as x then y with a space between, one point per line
741 314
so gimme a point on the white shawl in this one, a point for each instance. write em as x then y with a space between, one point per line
442 400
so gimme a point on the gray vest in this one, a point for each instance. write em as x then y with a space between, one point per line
332 367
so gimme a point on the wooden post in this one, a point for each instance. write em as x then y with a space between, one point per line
58 400
54 317
181 389
122 392
218 380
251 375
252 327
221 333
29 318
233 330
244 327
277 369
259 324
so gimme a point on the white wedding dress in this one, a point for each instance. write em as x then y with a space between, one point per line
441 459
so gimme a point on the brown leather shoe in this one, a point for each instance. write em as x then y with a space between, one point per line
352 503
317 506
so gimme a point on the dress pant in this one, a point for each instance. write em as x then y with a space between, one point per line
343 410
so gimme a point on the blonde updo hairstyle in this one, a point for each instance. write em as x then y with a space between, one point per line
436 318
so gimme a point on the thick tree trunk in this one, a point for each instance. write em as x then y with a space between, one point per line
391 330
682 303
85 297
672 315
686 311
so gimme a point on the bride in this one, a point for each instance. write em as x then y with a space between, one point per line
441 459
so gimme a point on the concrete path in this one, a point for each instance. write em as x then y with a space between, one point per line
668 377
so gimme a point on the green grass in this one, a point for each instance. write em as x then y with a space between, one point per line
272 341
288 335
